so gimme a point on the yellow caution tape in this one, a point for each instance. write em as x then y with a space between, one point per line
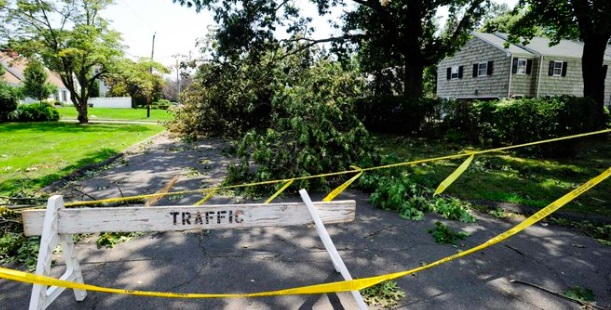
452 177
342 187
211 193
278 192
340 286
331 174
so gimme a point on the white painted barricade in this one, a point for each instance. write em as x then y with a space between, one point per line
338 263
56 225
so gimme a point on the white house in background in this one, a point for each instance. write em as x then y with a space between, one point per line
488 66
14 75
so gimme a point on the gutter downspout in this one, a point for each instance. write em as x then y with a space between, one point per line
539 77
510 76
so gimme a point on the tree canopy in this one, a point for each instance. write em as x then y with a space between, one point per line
70 37
401 33
35 82
137 79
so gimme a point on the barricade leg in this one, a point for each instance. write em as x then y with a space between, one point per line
43 296
338 263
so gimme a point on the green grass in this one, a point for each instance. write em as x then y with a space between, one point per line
70 113
510 177
33 155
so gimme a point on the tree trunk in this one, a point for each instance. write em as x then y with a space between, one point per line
412 52
594 75
412 81
81 108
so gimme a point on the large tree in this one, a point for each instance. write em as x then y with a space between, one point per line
35 82
588 20
393 33
71 38
137 79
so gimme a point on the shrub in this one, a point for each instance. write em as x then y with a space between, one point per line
494 123
395 114
36 112
9 99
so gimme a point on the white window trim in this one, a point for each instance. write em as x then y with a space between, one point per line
523 67
454 73
561 68
479 69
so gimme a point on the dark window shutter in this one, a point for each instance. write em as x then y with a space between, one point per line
474 70
490 67
605 67
551 68
564 65
449 73
460 71
514 66
529 66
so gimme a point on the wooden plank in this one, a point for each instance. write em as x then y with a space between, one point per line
151 201
180 218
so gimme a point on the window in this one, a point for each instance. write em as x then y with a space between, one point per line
557 68
482 69
455 72
521 66
64 96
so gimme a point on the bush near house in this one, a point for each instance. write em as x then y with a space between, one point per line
488 123
36 112
508 121
9 99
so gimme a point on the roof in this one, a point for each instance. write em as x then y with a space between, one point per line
499 43
15 67
540 46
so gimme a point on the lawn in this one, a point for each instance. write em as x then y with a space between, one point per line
33 155
511 177
70 113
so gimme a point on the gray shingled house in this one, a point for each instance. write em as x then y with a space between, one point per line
484 69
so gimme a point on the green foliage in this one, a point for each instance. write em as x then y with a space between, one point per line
35 84
35 112
385 294
580 293
73 52
523 120
14 246
395 114
138 80
312 130
9 100
229 99
498 213
388 34
397 191
577 19
110 239
444 235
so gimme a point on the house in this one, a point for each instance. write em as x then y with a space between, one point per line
14 75
485 69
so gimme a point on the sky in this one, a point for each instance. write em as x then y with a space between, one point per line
177 28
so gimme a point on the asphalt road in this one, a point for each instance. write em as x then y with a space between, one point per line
523 272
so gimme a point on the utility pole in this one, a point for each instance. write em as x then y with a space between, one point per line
177 80
148 103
